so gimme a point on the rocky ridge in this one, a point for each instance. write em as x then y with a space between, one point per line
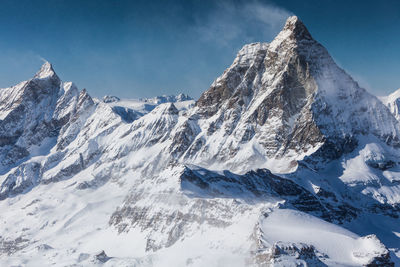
158 174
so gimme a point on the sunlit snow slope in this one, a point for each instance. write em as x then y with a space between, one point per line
284 161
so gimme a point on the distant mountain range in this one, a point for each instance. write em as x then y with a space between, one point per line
284 161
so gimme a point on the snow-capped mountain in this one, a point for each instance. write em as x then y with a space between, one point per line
155 100
284 161
288 99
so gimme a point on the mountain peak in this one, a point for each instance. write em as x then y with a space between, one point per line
296 26
45 71
294 31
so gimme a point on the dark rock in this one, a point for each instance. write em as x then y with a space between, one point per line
102 257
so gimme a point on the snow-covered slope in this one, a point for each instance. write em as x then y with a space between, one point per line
392 101
295 238
170 181
132 109
285 100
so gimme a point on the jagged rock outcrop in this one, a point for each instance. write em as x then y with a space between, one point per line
283 142
36 115
168 98
291 99
111 99
27 115
281 254
262 184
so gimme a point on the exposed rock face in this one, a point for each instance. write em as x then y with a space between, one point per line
301 254
169 98
110 99
262 184
290 97
27 115
10 247
36 115
295 132
281 254
101 257
163 99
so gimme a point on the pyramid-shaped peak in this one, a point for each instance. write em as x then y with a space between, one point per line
297 29
293 20
45 71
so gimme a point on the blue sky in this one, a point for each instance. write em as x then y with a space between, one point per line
148 48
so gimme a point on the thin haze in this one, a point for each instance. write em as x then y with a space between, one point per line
229 24
147 48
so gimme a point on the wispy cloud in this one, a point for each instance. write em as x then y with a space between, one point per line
42 59
360 79
241 22
17 65
269 15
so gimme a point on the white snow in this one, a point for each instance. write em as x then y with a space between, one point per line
342 247
392 101
45 72
99 165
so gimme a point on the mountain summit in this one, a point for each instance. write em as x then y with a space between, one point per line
295 29
291 99
45 71
284 161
